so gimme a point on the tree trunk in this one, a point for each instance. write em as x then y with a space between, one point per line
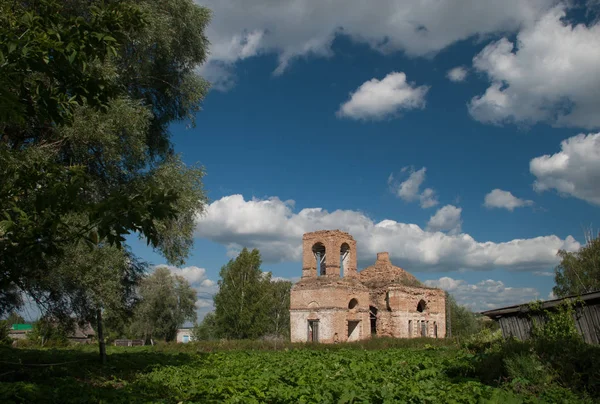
101 343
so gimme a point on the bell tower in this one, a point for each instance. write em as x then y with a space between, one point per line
329 253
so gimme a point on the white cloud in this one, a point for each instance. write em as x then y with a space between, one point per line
409 190
457 74
272 226
290 30
485 295
550 75
428 198
544 273
574 171
376 99
446 219
498 198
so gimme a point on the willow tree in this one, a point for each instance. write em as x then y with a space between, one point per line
88 90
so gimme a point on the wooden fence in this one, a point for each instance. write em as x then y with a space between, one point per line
129 342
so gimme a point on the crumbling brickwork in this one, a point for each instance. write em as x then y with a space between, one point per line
333 302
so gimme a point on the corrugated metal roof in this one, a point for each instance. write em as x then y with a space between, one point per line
523 308
22 327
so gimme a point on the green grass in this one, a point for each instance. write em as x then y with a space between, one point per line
378 371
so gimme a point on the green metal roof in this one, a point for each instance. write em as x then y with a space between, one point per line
22 327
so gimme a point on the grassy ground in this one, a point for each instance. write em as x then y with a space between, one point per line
378 371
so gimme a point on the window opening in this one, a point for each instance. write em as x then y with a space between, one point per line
422 306
344 258
319 253
373 318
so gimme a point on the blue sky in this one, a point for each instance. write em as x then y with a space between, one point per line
339 116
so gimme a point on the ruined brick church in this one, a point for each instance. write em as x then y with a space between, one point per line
333 302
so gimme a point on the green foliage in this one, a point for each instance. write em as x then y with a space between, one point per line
555 355
88 90
462 322
49 332
172 373
579 271
4 330
166 302
206 330
557 325
249 304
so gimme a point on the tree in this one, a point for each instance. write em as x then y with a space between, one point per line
88 282
579 271
166 302
88 90
206 330
279 308
249 304
242 302
15 318
460 321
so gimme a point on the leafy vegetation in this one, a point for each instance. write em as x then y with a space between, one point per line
88 90
462 322
166 302
416 371
579 271
249 304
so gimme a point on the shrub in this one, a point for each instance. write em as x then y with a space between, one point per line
4 330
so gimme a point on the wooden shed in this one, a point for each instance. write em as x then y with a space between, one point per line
517 320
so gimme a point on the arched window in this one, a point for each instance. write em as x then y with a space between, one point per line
352 304
422 306
319 252
344 258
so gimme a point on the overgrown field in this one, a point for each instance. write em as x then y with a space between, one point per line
415 372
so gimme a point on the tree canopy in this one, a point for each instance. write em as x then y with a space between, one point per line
579 271
249 304
166 302
88 89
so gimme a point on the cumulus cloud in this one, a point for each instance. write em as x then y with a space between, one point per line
485 295
549 75
498 198
379 99
446 219
409 190
272 226
205 288
457 74
301 28
574 171
428 198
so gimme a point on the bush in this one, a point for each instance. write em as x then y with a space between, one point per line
4 330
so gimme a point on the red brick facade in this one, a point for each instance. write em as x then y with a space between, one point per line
333 302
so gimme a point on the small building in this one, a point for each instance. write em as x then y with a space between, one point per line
518 320
82 334
19 331
184 335
334 302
